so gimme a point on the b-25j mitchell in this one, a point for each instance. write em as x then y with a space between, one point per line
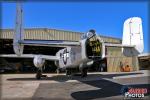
81 54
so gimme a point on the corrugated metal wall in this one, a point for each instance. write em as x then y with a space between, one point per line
50 34
43 34
111 39
116 58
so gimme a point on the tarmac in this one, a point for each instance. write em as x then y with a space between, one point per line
97 86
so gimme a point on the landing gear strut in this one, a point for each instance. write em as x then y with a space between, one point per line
58 70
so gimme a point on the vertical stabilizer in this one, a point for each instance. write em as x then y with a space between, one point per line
19 31
133 36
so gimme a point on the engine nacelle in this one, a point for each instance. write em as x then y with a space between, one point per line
38 61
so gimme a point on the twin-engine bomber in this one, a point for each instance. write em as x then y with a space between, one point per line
81 54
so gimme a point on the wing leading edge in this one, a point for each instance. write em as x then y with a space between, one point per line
119 45
46 57
51 43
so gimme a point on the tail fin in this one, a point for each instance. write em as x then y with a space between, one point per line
19 32
133 35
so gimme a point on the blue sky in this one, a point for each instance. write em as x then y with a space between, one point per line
106 18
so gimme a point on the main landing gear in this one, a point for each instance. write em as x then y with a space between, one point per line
82 70
68 73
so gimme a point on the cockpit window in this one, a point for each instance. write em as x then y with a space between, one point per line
91 33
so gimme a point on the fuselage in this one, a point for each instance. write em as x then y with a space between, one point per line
85 54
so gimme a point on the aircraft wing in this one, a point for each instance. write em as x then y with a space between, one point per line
118 45
126 48
46 57
51 43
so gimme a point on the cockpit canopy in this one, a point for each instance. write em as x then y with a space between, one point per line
89 34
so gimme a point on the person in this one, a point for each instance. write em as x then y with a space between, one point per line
127 68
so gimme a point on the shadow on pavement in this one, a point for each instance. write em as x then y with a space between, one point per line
63 78
108 89
101 87
82 90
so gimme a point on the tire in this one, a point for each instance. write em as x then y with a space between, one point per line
38 75
84 72
68 72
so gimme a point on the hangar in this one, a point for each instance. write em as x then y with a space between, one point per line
115 60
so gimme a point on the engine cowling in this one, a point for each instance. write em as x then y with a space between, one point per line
38 61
